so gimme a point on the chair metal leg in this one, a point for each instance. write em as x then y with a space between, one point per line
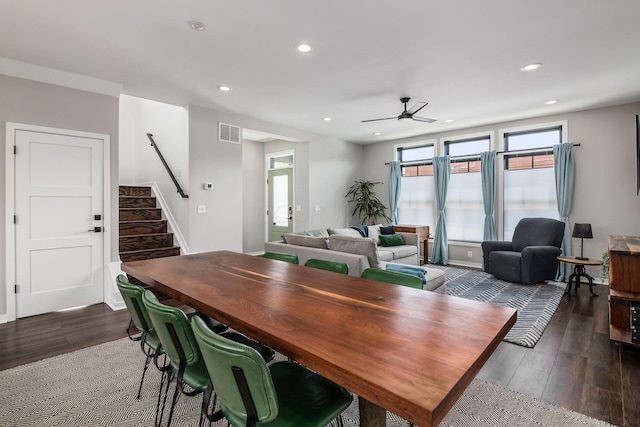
162 378
166 393
144 371
174 400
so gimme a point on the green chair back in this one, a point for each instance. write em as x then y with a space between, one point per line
132 296
392 277
293 259
178 342
224 358
337 267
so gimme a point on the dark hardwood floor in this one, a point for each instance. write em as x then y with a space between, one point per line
574 365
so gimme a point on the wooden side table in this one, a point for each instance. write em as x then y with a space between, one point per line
579 271
423 237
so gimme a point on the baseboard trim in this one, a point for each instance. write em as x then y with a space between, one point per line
473 265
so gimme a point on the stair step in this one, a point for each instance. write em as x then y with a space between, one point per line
132 190
140 214
149 254
127 202
132 228
146 241
143 232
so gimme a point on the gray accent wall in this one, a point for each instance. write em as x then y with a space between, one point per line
29 102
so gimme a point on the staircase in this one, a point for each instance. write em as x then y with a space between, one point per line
143 232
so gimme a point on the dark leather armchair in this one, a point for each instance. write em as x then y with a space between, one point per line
531 257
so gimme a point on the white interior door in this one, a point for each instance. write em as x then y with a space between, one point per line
59 221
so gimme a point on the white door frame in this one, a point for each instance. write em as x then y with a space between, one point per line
10 258
267 167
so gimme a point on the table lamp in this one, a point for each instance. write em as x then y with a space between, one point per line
583 231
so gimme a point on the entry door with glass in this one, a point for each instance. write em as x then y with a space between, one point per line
280 210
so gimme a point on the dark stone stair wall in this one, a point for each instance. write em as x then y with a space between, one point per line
143 232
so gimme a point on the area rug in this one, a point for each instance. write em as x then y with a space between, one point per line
535 303
97 387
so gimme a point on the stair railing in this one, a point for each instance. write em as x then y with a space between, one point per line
166 166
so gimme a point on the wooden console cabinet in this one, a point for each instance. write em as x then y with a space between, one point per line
423 237
624 285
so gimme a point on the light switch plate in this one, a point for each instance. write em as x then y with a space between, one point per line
202 209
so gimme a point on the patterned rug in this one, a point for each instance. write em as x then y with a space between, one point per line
97 387
535 303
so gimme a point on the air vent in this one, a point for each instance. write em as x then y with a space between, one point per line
228 133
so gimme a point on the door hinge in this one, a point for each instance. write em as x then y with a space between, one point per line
15 149
15 219
15 289
267 212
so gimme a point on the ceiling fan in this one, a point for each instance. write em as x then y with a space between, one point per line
407 115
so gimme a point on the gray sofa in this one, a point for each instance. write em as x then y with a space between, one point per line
348 246
359 253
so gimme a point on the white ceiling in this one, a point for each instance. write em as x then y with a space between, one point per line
461 56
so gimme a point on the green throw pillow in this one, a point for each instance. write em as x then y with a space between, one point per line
391 239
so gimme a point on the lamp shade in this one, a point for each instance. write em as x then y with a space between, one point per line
582 231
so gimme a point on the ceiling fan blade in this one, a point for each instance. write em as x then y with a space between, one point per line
423 119
376 120
417 107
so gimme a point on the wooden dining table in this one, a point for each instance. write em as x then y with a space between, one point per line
405 350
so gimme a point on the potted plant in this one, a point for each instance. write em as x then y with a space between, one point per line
368 206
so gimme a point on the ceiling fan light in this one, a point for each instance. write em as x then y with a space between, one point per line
405 119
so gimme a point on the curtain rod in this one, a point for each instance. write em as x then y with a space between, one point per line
577 144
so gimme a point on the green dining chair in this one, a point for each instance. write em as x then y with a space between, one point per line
337 267
176 337
149 342
283 394
293 259
392 277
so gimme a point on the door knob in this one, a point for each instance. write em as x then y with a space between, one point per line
96 230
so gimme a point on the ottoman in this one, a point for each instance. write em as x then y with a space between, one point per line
435 278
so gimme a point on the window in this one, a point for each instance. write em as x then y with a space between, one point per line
464 209
528 179
417 198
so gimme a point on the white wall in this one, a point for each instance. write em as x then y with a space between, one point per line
139 163
42 104
605 176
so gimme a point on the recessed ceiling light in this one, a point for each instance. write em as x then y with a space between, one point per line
197 25
303 47
553 101
224 88
531 67
377 133
326 119
448 120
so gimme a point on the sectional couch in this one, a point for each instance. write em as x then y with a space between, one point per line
348 246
